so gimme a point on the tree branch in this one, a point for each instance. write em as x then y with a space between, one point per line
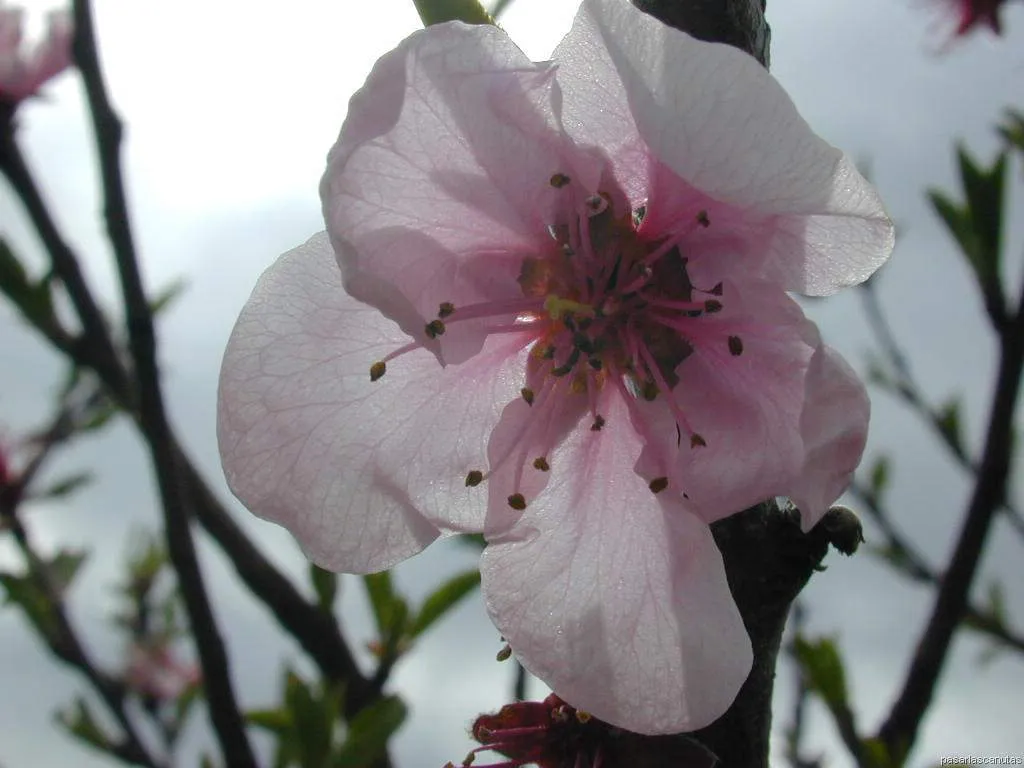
739 23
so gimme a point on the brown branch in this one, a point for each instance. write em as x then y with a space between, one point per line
223 706
899 731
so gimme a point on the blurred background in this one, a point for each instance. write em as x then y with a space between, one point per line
230 108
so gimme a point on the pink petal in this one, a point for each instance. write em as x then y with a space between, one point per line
747 408
440 181
834 425
23 72
713 115
616 597
362 473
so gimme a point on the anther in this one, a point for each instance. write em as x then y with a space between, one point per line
658 484
598 424
377 370
505 653
517 502
583 717
702 219
540 463
527 394
446 309
712 305
649 390
474 478
559 180
717 290
735 346
697 441
568 365
434 329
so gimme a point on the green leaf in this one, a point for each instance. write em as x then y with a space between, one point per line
390 611
1012 130
439 11
25 593
443 599
65 486
948 421
369 732
277 721
64 567
167 295
326 585
879 476
984 192
78 720
823 668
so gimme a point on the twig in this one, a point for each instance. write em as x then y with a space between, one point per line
899 730
224 711
911 393
65 643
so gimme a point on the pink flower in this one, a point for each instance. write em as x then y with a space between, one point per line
22 72
561 319
972 13
154 671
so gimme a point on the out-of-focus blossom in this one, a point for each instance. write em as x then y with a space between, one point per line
561 319
553 734
154 671
23 71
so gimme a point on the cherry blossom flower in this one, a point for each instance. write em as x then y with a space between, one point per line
553 734
23 72
154 671
972 13
561 319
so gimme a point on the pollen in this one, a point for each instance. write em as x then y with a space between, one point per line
658 484
377 370
540 463
559 180
434 329
517 501
474 478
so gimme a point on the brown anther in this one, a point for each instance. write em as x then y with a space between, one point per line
559 180
377 370
702 219
541 463
697 441
735 346
658 484
527 394
505 653
598 424
434 329
712 305
446 309
717 290
649 391
474 478
517 502
578 385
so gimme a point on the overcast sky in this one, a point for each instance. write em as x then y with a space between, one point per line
231 107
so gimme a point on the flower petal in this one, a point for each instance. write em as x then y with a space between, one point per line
362 473
441 177
747 407
616 597
834 425
718 119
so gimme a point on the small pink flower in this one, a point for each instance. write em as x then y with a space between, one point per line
22 73
154 671
972 13
561 319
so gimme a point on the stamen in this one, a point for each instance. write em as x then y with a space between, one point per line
516 307
696 441
596 204
434 329
639 214
703 220
474 478
677 412
559 180
658 484
517 502
712 305
735 346
377 370
445 309
505 653
598 424
527 394
541 464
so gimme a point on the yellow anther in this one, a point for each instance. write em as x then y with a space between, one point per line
434 329
559 180
658 484
527 394
377 370
583 717
557 307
